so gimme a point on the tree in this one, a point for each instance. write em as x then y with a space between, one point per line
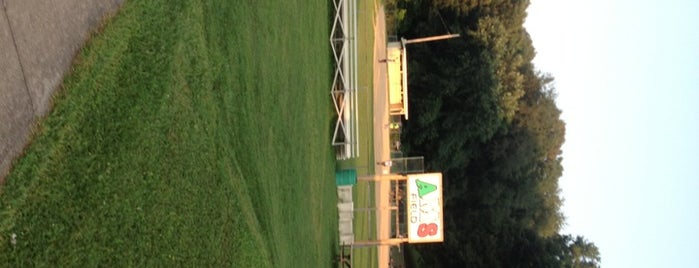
484 116
584 253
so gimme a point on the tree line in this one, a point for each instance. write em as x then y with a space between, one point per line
487 118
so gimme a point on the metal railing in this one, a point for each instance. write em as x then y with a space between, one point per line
343 40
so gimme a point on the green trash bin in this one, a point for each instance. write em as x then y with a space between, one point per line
346 177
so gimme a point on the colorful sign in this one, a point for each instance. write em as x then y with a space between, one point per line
425 218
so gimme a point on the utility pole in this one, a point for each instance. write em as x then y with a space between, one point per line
428 39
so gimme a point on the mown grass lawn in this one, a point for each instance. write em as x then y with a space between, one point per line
190 133
365 221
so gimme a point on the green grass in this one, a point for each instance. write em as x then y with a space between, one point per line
365 225
363 194
190 133
365 222
365 78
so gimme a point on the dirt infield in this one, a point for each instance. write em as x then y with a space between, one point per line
38 41
381 135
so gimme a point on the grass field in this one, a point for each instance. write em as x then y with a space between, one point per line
190 133
365 46
365 222
365 225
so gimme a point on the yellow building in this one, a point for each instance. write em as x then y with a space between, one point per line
397 62
397 78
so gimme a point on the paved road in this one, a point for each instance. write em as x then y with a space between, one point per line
38 41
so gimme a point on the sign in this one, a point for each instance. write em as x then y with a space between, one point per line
425 218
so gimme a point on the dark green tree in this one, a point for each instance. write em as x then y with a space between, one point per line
483 115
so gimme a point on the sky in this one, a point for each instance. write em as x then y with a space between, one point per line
627 77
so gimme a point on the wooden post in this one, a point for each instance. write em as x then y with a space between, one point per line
389 177
429 39
382 242
376 208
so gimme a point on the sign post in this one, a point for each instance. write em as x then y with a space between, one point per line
425 214
425 218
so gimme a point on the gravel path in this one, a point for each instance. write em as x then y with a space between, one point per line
381 135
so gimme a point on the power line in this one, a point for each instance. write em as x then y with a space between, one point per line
442 19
